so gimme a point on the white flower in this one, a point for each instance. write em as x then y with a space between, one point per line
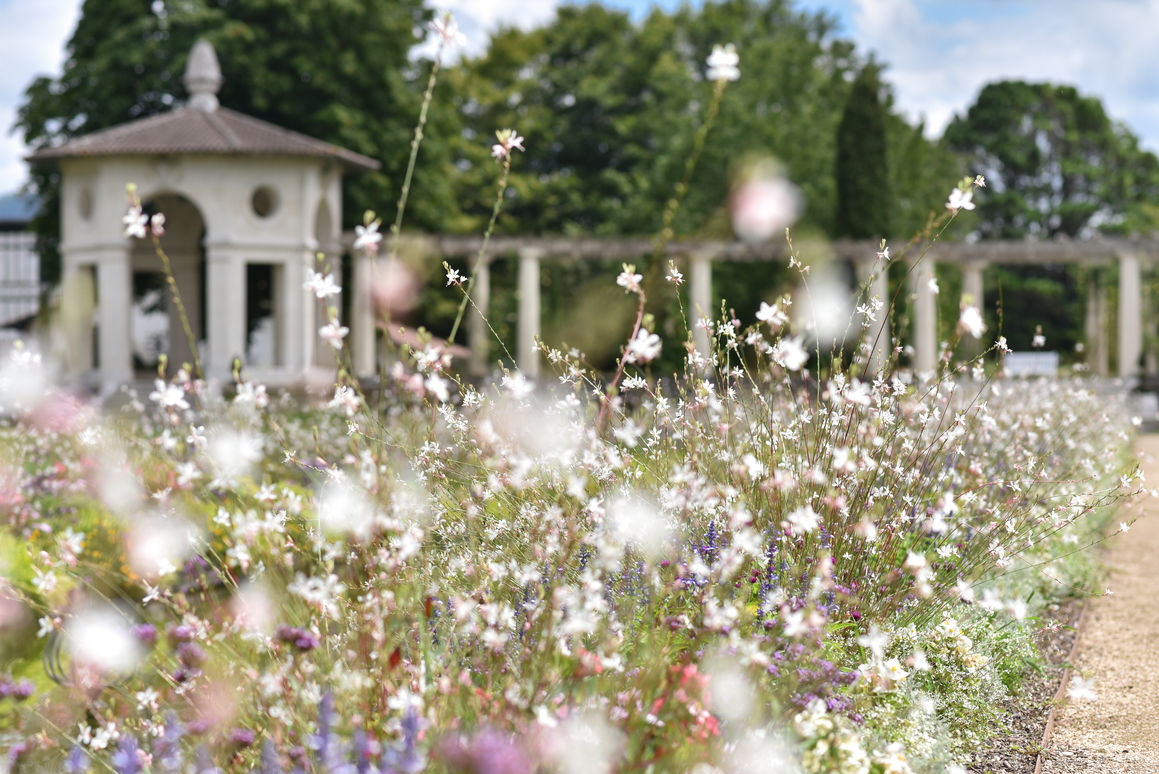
722 63
447 30
674 276
346 399
790 354
437 386
157 224
960 200
135 221
794 623
772 315
1039 341
892 670
454 278
367 237
883 254
629 280
971 322
1124 526
980 181
914 562
804 519
321 285
333 333
933 283
1082 690
321 593
990 601
644 348
169 395
875 640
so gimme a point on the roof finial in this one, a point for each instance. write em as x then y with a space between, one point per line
203 77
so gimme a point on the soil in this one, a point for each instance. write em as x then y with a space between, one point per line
1016 752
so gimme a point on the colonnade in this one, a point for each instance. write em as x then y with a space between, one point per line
698 258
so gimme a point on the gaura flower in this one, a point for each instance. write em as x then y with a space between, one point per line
722 63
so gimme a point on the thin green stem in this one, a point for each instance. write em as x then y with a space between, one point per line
416 141
176 294
495 210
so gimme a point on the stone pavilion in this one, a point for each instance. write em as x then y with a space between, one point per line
249 207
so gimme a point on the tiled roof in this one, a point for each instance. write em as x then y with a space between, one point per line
188 130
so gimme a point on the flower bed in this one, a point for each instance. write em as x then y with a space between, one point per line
836 574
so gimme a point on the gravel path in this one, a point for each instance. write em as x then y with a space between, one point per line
1119 648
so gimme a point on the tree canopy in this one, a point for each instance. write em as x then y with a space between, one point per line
862 173
1055 163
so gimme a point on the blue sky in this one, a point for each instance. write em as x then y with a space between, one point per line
939 53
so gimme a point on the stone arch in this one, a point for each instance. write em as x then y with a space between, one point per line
155 321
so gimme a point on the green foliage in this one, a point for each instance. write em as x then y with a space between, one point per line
862 173
1055 163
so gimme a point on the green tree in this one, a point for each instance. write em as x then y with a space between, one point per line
335 71
864 200
1055 163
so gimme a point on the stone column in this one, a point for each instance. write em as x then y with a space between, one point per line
874 276
226 310
75 320
1130 315
363 332
972 290
973 294
295 312
700 297
925 317
114 301
1095 328
526 352
478 337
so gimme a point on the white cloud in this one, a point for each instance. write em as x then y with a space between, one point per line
479 18
33 34
939 59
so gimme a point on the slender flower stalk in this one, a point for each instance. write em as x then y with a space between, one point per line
447 35
507 140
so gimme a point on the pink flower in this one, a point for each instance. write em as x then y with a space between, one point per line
762 207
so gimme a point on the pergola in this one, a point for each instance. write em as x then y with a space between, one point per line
1130 253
